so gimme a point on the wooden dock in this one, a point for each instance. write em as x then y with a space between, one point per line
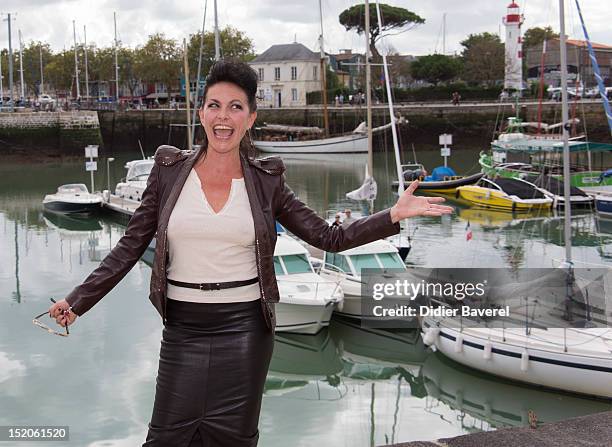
120 208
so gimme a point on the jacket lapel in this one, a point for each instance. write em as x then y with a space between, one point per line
177 187
258 216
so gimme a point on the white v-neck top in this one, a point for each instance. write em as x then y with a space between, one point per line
208 247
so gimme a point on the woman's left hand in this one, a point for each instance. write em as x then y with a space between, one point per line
409 205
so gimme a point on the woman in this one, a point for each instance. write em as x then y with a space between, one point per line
213 214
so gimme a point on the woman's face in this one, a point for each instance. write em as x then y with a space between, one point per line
226 116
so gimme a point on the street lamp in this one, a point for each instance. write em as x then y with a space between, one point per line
108 162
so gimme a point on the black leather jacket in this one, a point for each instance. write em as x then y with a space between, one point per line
270 199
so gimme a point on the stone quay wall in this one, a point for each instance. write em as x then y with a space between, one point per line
60 132
472 124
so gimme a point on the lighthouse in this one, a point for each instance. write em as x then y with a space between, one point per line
513 20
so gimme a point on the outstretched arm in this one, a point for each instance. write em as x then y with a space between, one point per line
118 262
310 227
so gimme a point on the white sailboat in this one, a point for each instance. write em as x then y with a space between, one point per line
355 142
574 359
304 141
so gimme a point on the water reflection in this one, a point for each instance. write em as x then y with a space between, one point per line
495 402
345 386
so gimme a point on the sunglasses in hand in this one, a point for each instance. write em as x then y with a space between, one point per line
42 325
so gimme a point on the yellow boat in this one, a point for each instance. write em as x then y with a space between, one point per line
508 194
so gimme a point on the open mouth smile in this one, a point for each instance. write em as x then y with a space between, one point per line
223 132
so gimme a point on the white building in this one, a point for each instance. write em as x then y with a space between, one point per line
286 73
514 48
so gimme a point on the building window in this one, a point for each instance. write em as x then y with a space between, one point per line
277 73
294 95
261 93
314 73
260 74
293 73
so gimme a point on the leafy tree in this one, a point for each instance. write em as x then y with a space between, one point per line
535 36
435 68
59 71
483 58
101 63
159 60
393 18
31 66
234 44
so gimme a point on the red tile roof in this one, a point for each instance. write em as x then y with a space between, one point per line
582 43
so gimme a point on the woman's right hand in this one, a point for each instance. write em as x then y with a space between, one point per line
62 313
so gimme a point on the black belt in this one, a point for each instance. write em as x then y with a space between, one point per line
208 286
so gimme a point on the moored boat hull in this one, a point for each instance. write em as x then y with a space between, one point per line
488 198
582 374
302 318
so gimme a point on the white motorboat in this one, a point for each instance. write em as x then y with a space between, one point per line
307 300
73 198
135 181
345 267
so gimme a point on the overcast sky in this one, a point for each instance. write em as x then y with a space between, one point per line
269 22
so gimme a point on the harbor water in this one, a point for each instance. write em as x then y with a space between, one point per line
346 386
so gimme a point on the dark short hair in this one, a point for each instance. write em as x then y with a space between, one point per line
238 73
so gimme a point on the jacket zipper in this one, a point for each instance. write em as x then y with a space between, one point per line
261 288
258 258
164 270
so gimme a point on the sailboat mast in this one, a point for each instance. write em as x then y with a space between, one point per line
368 90
187 93
86 67
116 60
323 75
21 66
565 119
443 32
400 177
42 75
195 102
217 38
76 62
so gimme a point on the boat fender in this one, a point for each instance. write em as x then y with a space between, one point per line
513 207
431 335
459 344
524 360
457 193
459 400
488 410
272 165
487 350
166 155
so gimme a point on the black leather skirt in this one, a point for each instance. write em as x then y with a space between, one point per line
212 368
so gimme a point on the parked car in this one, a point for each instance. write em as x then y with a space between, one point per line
45 99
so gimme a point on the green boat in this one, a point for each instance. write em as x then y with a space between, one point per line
517 154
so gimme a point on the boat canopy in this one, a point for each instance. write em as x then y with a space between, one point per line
440 173
551 145
518 188
139 170
551 184
73 188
